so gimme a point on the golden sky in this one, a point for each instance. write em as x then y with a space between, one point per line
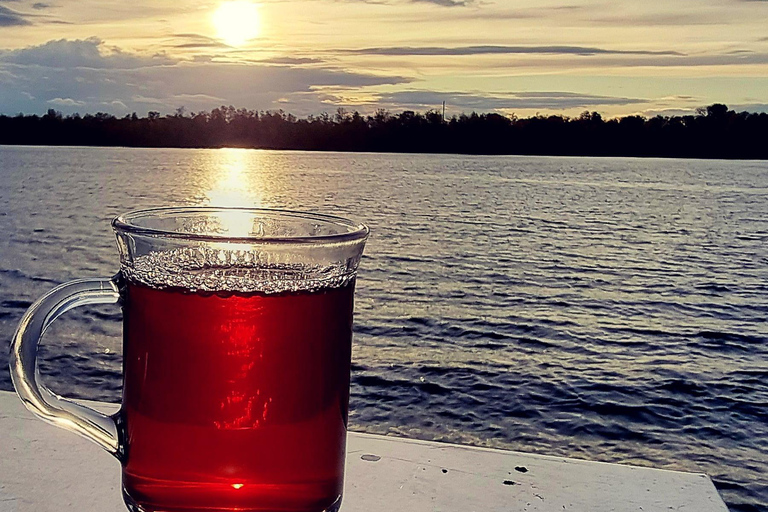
310 56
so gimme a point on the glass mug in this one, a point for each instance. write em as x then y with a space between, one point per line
237 328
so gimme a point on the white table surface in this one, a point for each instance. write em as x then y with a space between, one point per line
43 468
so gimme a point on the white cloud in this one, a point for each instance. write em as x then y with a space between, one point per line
750 107
64 102
530 100
11 18
501 50
85 76
80 53
117 104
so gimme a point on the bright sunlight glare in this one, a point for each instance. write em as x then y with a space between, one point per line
236 22
237 185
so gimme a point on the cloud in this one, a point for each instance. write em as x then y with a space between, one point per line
499 50
11 18
66 102
466 102
191 41
291 60
574 99
230 78
6 75
679 98
180 99
444 3
82 76
202 45
191 35
79 53
41 5
471 13
660 19
750 107
739 59
560 56
667 112
740 107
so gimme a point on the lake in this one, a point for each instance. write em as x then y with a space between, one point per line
602 308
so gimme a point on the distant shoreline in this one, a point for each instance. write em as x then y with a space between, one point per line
373 152
713 133
86 146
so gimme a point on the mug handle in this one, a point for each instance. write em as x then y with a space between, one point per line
93 425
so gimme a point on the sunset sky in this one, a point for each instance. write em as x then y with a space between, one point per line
310 56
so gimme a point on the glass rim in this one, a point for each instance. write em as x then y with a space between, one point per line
126 223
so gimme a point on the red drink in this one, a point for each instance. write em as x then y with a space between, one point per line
235 401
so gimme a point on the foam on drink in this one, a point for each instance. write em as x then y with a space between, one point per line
236 270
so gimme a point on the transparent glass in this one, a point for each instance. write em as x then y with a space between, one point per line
237 328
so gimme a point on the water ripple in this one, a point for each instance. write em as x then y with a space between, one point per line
610 309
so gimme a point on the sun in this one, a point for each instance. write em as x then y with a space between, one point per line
237 22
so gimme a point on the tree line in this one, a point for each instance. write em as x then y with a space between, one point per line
712 132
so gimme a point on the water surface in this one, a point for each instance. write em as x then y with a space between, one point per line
609 309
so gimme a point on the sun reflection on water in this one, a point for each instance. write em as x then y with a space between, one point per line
239 182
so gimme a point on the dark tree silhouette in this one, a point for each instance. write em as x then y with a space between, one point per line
713 132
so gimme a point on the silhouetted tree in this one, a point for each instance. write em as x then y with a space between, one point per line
713 132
